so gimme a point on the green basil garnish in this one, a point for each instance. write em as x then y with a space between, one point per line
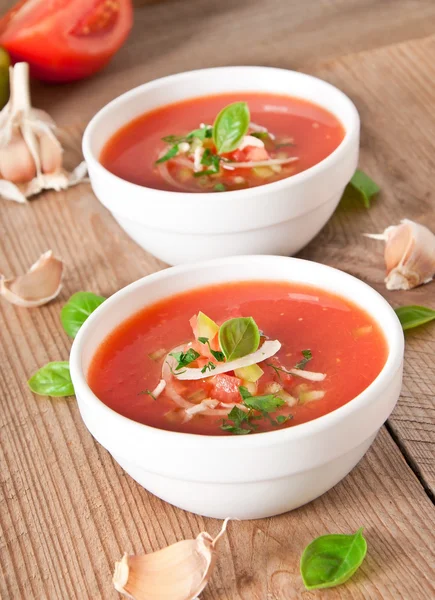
78 308
230 126
184 358
53 379
240 422
210 366
169 154
267 403
219 356
307 357
364 186
330 560
239 337
414 316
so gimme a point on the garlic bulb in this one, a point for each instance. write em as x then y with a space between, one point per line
409 255
30 153
178 572
41 283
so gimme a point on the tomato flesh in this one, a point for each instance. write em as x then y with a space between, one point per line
65 40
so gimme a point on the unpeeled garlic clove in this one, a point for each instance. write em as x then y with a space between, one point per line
178 572
409 255
30 153
41 283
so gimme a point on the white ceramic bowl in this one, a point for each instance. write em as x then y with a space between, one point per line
249 476
276 218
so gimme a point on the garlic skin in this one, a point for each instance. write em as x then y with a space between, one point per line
179 572
41 284
409 255
30 153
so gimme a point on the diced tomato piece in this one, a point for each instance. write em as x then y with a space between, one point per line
194 324
226 388
250 153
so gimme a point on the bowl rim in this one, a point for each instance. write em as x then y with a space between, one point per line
351 133
390 327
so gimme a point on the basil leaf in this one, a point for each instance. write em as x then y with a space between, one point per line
307 357
77 310
53 379
331 560
208 367
231 126
184 358
413 316
239 337
365 186
169 154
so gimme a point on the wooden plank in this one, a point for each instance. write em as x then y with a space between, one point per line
397 137
67 510
179 35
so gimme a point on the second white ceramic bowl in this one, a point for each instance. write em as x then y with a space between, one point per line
249 476
276 218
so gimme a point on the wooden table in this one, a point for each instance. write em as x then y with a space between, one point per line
67 510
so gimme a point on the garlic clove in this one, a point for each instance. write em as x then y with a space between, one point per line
178 572
50 153
41 283
30 153
16 161
409 255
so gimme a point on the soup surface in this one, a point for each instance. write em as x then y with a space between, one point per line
327 351
258 139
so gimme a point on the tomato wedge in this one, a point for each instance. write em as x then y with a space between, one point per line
65 40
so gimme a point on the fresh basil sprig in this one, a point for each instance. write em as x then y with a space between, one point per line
230 126
330 560
414 316
239 337
363 186
53 379
78 308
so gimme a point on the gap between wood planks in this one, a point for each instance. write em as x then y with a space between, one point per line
410 462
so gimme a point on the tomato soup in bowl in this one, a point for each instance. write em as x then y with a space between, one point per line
222 143
243 386
233 160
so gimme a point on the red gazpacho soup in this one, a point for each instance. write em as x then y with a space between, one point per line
222 143
238 359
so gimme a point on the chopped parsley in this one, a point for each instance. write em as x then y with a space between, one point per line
220 187
169 154
239 422
219 356
307 354
147 392
185 358
208 367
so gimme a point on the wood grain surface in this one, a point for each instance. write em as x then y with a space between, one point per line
67 511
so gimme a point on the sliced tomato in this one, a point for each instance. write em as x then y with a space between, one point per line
64 40
226 388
